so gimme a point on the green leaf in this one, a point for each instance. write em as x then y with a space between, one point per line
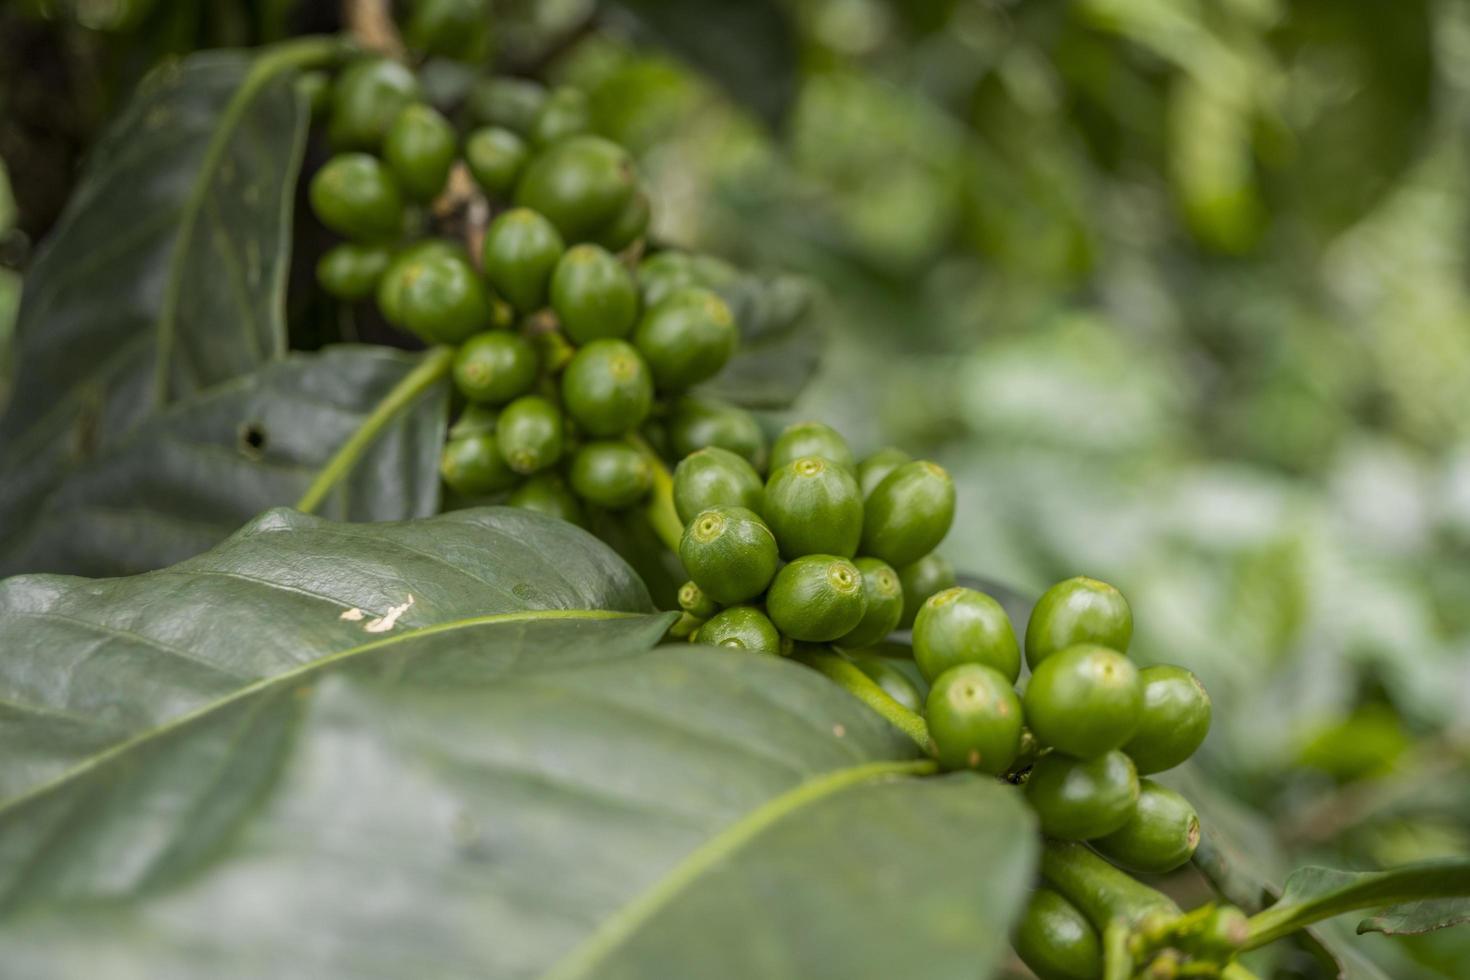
1414 918
166 274
211 772
780 342
188 477
1313 894
750 47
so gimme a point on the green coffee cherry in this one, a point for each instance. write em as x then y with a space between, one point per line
494 367
883 598
1160 836
530 434
894 682
547 493
495 157
694 601
396 277
1174 720
963 626
507 102
521 250
474 420
921 580
908 514
1082 799
1078 610
437 296
814 508
352 272
741 628
420 148
687 338
457 29
713 476
697 423
593 294
354 195
662 274
730 553
564 114
872 470
606 388
1084 700
368 96
628 225
473 466
579 184
1055 940
816 598
811 439
611 474
974 719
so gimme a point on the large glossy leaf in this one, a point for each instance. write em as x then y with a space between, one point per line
1414 918
166 273
507 781
1313 894
188 477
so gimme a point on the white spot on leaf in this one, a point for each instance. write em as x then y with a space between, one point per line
383 624
352 615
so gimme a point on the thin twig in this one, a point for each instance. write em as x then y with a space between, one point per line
370 22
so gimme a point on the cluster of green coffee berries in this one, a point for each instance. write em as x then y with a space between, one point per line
813 551
569 339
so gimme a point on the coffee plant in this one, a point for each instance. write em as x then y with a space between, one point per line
502 628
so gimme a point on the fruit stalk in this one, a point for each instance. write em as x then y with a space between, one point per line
430 371
660 508
861 686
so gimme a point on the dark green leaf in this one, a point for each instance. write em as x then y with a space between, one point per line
508 782
749 47
166 273
1313 894
780 342
188 477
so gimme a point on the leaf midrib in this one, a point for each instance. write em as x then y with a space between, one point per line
616 930
124 748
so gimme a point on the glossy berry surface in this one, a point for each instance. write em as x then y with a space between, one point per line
696 423
628 225
352 272
816 598
440 298
548 493
873 468
811 439
579 184
606 388
420 148
909 513
741 628
694 601
963 626
729 553
593 294
894 682
814 507
1084 700
1082 799
1055 940
883 598
493 367
356 196
610 473
521 250
930 574
366 99
686 338
507 102
1160 836
1174 720
472 466
564 113
495 157
1078 610
713 476
974 719
530 434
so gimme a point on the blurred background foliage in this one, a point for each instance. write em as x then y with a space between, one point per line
1180 291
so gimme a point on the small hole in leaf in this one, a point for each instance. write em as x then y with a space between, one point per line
253 439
